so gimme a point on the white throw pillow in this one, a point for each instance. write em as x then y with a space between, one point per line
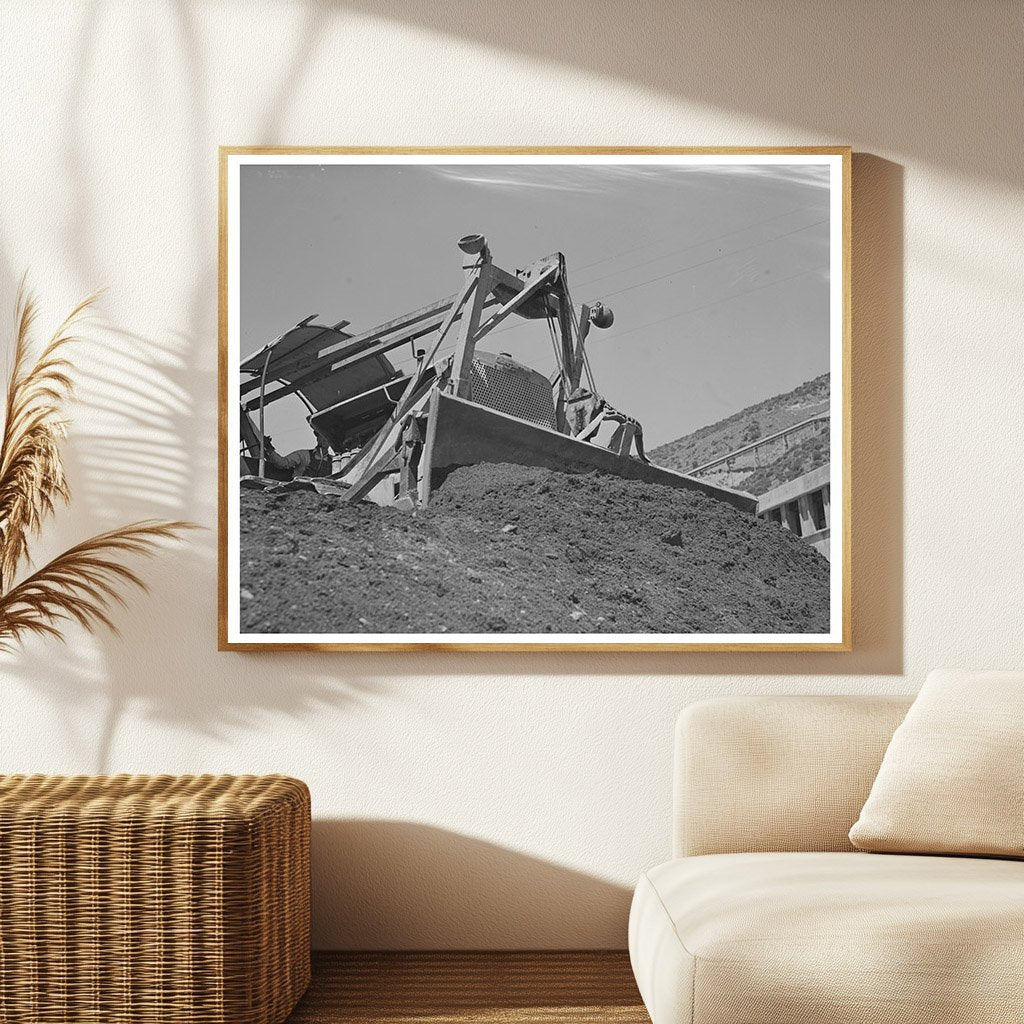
952 779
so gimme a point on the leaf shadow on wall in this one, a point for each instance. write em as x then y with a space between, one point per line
155 392
137 455
149 448
405 885
926 80
146 445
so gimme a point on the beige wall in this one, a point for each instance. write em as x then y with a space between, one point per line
489 800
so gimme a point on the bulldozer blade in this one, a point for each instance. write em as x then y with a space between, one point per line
462 433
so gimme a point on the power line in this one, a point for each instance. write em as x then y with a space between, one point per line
685 248
713 259
692 266
716 302
713 238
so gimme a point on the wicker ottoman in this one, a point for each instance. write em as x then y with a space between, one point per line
130 899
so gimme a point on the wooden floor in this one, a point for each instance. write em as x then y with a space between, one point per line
461 988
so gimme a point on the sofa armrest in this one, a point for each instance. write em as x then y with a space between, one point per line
760 774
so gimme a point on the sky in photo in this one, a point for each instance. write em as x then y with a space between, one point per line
717 274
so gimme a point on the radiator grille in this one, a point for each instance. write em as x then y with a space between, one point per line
500 383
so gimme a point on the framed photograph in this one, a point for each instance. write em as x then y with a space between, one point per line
510 399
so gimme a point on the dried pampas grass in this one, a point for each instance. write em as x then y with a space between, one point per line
83 583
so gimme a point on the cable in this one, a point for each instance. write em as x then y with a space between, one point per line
578 334
549 319
692 266
693 245
588 371
713 259
681 270
717 302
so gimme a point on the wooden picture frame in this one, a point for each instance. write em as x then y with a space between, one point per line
399 438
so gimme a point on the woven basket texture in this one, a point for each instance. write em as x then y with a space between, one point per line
142 899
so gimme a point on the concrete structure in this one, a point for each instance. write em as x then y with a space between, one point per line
802 505
731 469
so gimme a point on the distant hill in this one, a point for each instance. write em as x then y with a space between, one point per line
800 459
756 421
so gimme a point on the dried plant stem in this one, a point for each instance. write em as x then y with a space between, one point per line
82 583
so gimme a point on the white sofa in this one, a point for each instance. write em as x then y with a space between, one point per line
768 915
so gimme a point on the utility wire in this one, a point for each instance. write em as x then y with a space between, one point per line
716 302
714 238
682 270
713 259
692 266
685 248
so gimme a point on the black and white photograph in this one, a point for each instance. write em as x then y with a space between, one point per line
499 399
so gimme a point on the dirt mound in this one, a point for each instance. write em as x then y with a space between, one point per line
509 549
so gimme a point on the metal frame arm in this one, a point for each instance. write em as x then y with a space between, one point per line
380 339
369 452
513 304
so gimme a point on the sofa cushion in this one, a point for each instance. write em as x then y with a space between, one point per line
788 772
950 781
833 938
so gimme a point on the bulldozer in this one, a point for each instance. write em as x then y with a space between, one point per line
392 436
